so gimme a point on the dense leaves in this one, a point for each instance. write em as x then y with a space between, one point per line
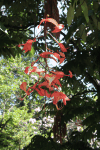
16 18
81 113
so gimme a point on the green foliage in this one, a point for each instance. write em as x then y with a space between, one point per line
82 58
15 19
85 10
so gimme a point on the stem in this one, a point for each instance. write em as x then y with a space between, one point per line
39 32
52 37
50 50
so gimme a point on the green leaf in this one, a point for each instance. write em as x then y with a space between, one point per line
70 15
32 52
95 21
95 6
99 25
85 10
2 27
82 32
78 11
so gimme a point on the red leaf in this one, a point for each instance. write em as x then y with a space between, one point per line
23 86
35 69
39 92
61 54
62 47
42 92
58 74
55 101
54 85
29 41
61 60
49 20
58 28
58 96
28 44
70 74
46 84
43 84
56 55
26 70
45 93
57 82
45 54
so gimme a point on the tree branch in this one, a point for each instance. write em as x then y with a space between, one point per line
84 92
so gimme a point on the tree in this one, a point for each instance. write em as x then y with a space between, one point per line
83 89
19 120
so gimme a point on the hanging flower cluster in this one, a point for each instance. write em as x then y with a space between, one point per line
51 79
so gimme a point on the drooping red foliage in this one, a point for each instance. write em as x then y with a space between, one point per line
51 80
58 96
